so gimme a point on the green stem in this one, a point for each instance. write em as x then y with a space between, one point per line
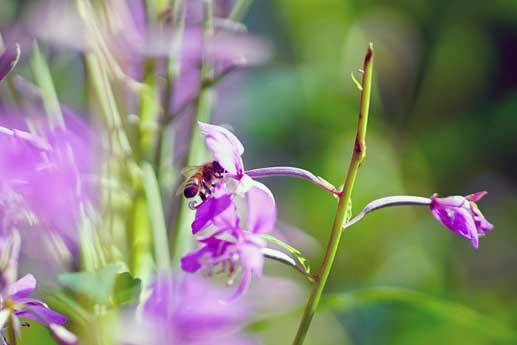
173 71
239 9
358 155
11 331
180 239
44 80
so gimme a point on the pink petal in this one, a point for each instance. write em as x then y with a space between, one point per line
191 262
475 197
261 209
23 287
458 220
225 147
39 312
210 209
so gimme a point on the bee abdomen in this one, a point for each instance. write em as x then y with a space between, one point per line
190 190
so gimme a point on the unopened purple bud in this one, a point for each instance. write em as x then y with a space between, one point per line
462 215
8 59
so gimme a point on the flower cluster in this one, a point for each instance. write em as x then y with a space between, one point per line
230 244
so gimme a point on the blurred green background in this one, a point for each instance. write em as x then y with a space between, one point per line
443 120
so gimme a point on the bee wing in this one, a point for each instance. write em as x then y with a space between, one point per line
188 171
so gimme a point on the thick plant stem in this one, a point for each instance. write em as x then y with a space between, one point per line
358 155
180 238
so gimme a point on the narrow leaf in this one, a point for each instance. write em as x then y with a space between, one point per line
159 229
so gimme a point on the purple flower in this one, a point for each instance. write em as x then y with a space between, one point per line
232 247
227 150
44 178
189 311
462 215
128 38
16 300
19 301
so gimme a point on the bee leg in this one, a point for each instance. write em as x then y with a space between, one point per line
202 196
207 188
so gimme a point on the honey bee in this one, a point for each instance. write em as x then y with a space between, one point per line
200 180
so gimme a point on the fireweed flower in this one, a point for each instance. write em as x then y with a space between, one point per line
15 296
17 302
227 150
18 299
232 247
43 177
189 311
461 215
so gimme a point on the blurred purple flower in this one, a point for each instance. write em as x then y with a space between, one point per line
462 216
190 311
231 247
43 178
130 38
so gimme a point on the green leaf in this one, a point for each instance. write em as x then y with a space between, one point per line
295 252
127 289
97 286
445 310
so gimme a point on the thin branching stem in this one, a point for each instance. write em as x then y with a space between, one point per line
358 156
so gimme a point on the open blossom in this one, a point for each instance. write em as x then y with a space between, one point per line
188 311
226 150
230 246
233 247
18 299
462 215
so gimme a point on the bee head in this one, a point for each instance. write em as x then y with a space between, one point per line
218 168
